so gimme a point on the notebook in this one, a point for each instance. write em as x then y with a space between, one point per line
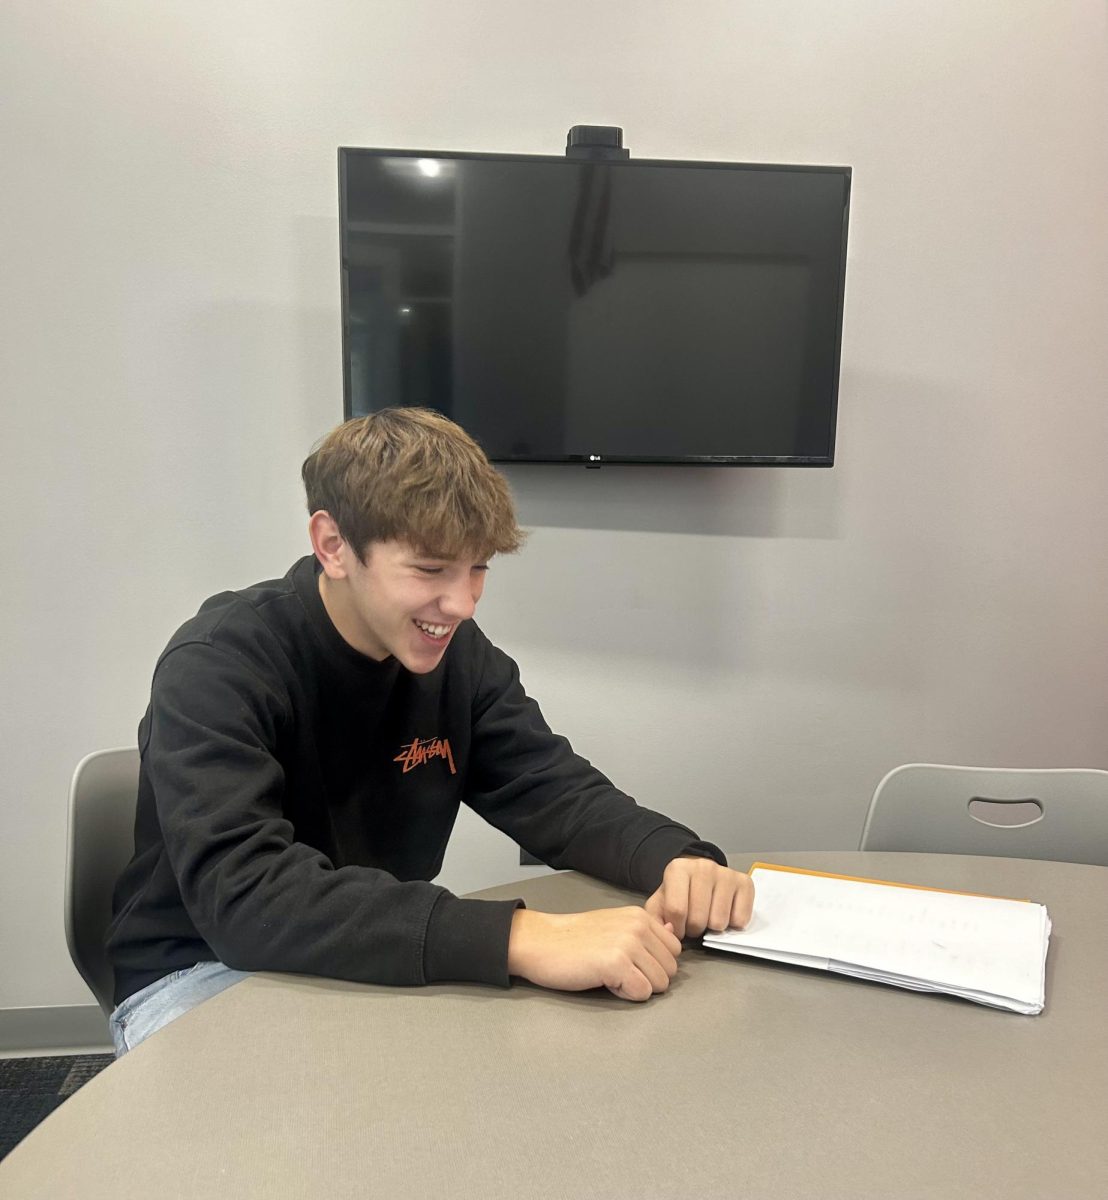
983 948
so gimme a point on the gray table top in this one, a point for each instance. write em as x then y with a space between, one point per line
746 1077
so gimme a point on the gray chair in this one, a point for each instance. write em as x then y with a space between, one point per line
99 844
1055 814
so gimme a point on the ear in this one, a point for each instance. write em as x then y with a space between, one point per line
329 545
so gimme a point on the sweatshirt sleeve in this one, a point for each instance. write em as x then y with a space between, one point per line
260 899
528 782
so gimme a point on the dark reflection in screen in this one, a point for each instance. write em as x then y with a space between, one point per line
562 309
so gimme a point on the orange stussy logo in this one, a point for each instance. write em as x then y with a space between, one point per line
417 752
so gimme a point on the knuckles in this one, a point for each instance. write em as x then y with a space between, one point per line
692 866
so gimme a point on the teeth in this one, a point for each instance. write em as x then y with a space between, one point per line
434 630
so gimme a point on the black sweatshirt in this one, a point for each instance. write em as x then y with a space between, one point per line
296 797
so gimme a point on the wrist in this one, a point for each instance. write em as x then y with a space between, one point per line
520 937
524 939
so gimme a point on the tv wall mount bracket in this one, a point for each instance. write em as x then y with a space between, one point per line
597 142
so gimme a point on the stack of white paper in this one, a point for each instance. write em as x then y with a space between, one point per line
985 949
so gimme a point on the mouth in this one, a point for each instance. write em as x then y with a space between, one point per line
435 633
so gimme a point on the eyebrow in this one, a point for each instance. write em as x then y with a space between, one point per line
461 555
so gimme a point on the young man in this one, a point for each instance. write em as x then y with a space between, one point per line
309 740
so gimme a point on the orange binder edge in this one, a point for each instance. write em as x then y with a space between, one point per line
917 887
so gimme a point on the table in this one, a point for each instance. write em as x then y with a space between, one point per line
746 1078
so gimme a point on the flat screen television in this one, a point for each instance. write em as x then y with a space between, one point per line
572 311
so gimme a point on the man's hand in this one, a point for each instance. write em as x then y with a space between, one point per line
698 894
625 950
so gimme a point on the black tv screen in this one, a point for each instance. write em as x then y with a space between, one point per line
634 311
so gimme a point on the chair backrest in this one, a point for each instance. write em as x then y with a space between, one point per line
1056 814
99 844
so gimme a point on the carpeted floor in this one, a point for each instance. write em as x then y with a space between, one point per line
31 1088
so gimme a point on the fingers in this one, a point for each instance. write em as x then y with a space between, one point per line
699 894
702 887
654 906
723 905
664 950
667 936
675 899
655 970
635 987
654 952
743 904
646 962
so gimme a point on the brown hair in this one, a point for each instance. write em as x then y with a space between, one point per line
411 475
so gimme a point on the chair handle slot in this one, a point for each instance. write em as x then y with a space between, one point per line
1005 813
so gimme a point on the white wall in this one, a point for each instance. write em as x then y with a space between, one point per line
749 650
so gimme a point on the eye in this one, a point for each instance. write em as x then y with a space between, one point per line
480 567
429 570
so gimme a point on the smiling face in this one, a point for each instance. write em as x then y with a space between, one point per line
399 601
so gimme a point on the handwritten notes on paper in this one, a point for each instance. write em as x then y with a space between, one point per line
982 948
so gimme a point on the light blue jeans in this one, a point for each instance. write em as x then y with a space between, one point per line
166 999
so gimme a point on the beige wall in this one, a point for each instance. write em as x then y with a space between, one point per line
748 649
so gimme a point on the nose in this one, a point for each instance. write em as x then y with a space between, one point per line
458 601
